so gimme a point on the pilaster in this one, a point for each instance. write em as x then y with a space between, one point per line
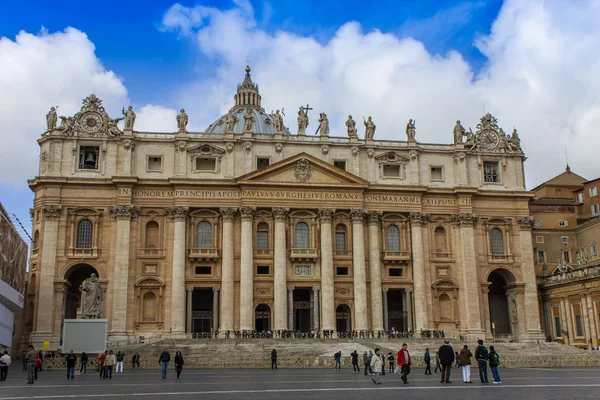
178 215
246 270
327 286
360 284
227 289
378 322
280 269
316 319
420 300
290 290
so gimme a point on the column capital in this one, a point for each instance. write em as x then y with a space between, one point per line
418 218
316 288
385 290
357 215
374 217
247 213
189 289
228 213
51 211
177 213
325 215
123 212
463 219
525 222
290 288
280 213
217 289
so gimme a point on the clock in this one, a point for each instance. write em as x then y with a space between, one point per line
91 122
489 139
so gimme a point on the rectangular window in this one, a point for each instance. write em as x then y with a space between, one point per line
262 240
564 239
557 326
541 256
594 250
580 198
340 241
262 162
262 270
595 210
341 271
567 256
340 164
202 270
563 223
490 172
579 325
395 272
391 171
437 174
593 191
539 239
206 164
155 164
88 157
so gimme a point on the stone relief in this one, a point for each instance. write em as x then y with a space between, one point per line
230 121
325 214
280 213
357 216
180 146
263 290
343 291
323 125
247 146
123 212
370 153
177 213
302 270
248 120
354 151
419 217
369 128
44 161
325 149
228 213
129 144
229 147
303 170
351 127
247 213
463 219
182 121
129 117
91 298
51 211
374 217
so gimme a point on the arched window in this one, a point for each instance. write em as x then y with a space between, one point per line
204 235
392 238
441 245
152 235
36 239
340 237
262 236
149 307
84 234
445 308
497 241
301 235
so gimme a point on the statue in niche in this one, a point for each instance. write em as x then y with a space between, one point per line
129 117
459 132
91 298
248 121
369 128
411 130
51 119
182 120
230 121
323 124
351 127
277 122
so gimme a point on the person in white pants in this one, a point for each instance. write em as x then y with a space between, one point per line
464 361
120 358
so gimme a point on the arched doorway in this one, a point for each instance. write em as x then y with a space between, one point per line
75 277
262 314
499 301
343 318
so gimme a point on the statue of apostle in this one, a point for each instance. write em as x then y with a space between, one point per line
129 118
91 298
302 121
459 132
51 119
369 128
248 121
182 120
277 122
323 124
411 130
230 121
351 126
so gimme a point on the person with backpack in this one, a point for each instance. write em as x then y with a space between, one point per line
481 355
465 363
355 367
427 359
494 360
120 358
391 361
338 360
437 362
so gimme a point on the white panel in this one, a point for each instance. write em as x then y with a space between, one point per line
87 335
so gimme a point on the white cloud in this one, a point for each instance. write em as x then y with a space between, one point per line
153 118
541 77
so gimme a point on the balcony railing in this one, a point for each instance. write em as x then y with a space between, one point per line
441 256
263 253
500 258
83 253
204 254
150 253
395 256
343 254
304 254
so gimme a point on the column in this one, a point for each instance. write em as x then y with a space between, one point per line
178 215
564 322
188 311
215 325
470 276
593 326
128 147
315 290
120 282
227 306
408 296
416 230
290 307
327 287
586 322
246 271
44 329
358 259
532 308
280 270
384 294
377 320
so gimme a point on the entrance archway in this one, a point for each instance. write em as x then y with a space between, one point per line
302 309
397 316
498 301
262 315
343 318
75 277
202 306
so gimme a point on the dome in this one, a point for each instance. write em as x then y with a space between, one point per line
247 100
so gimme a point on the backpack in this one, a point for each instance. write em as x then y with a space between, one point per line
427 357
494 360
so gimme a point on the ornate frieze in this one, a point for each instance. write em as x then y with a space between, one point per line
357 215
246 213
180 146
123 212
463 219
417 218
228 213
325 215
51 211
303 170
374 217
459 157
280 213
525 222
129 144
177 213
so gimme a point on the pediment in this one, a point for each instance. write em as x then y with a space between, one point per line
302 169
392 157
207 149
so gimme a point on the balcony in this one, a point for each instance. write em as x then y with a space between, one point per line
150 253
441 256
263 253
395 256
198 254
500 258
342 254
83 253
304 254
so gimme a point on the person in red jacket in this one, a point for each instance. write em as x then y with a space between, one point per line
404 361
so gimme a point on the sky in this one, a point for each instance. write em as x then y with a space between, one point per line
533 64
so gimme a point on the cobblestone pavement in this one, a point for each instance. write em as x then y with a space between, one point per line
565 383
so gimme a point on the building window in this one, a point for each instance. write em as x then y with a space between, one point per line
204 235
340 237
84 234
340 164
396 272
563 223
341 271
593 191
580 198
441 245
437 174
262 236
154 164
36 240
564 239
490 172
539 239
594 250
203 270
497 241
301 235
262 270
595 210
566 256
88 157
392 238
391 171
149 307
262 162
151 235
557 326
579 325
206 164
541 255
538 222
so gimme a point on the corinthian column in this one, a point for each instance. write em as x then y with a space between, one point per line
280 270
227 216
178 215
416 230
327 289
360 280
377 322
122 214
246 273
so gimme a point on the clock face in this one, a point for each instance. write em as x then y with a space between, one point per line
489 139
91 122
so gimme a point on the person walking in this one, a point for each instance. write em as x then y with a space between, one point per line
109 363
481 355
376 367
391 362
71 361
427 359
366 362
437 362
494 359
446 353
457 359
355 367
120 358
370 359
338 361
404 361
164 360
135 360
4 364
274 359
101 361
84 361
465 363
179 363
31 357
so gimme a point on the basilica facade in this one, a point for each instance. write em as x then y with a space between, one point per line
248 226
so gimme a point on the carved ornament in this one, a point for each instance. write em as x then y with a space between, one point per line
325 215
325 149
180 146
278 148
280 213
303 170
129 144
343 291
51 211
123 212
246 213
229 148
525 222
357 216
463 219
263 290
354 151
413 155
177 214
247 146
459 157
374 217
370 153
417 218
228 213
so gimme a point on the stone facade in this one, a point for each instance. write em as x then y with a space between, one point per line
248 227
